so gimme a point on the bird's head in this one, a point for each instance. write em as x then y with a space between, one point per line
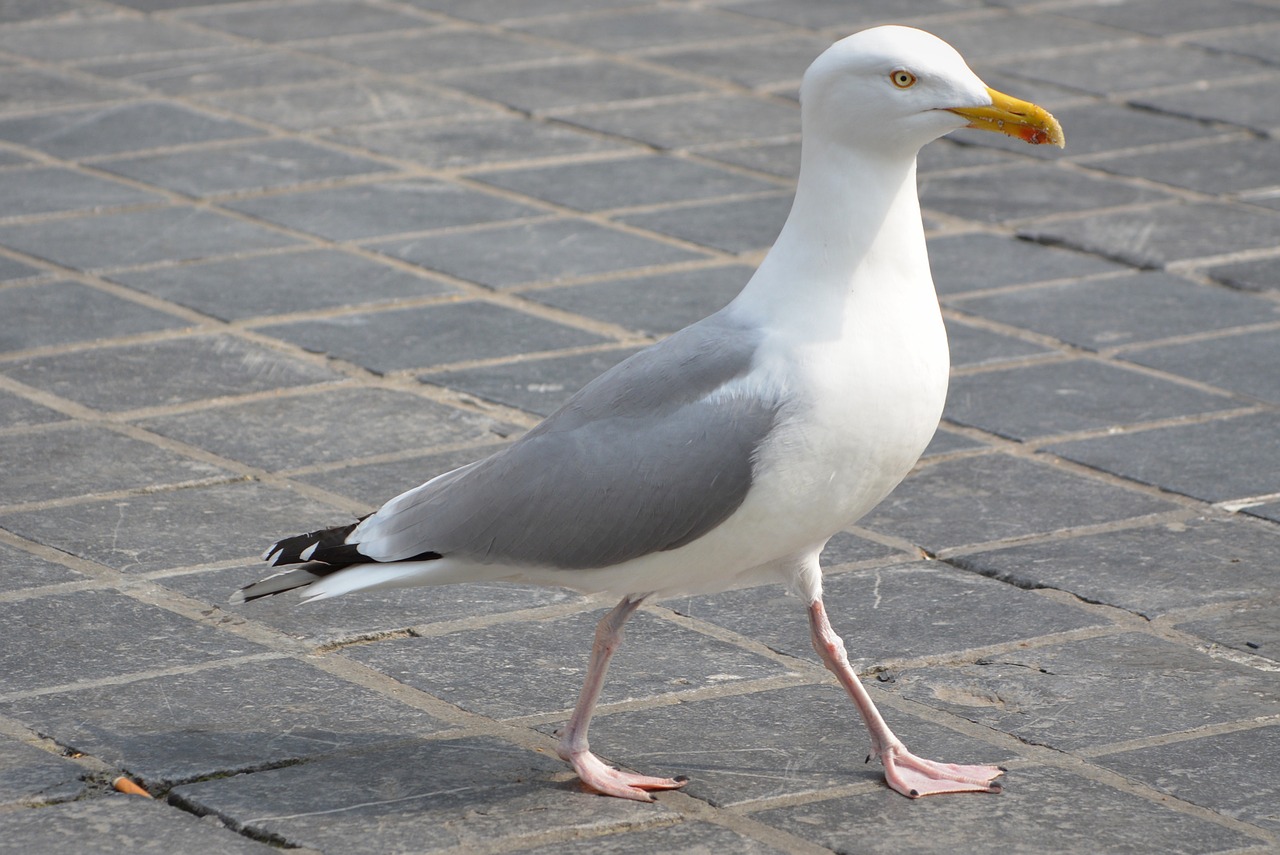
894 89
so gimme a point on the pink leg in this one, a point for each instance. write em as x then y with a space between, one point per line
573 740
908 774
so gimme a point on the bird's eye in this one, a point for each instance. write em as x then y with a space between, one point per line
903 79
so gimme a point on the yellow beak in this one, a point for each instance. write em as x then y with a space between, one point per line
1015 118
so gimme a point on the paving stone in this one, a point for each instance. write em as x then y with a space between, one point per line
721 119
768 744
36 88
344 102
81 459
368 613
436 51
777 61
1165 17
19 412
11 270
375 483
515 669
1121 311
113 240
51 313
1230 362
945 442
1264 510
971 346
1031 34
307 20
33 776
737 226
91 635
1039 805
212 71
222 720
1150 571
149 827
971 262
690 837
1252 628
119 128
655 304
24 570
163 373
382 208
1245 104
569 84
417 338
158 531
502 10
824 14
47 191
978 499
1063 397
1260 42
960 152
1214 461
281 283
304 430
503 256
1139 66
460 144
536 386
1085 694
33 10
103 37
774 158
980 196
635 181
1262 275
644 28
1233 166
402 797
248 166
1216 772
891 612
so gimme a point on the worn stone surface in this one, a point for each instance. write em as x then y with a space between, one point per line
30 775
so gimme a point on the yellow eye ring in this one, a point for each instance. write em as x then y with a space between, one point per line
903 79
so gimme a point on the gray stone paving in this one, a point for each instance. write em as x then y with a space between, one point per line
265 263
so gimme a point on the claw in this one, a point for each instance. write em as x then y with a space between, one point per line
608 781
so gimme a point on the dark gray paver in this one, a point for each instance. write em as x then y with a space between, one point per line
700 121
473 142
1041 808
971 346
978 499
1262 275
35 88
11 270
109 37
737 226
173 529
772 743
1150 571
598 185
1028 34
306 20
508 255
773 158
247 166
119 128
531 667
1086 694
333 104
281 283
48 191
1248 627
419 796
1214 461
537 386
66 638
375 483
220 720
415 338
1216 772
1256 41
891 612
81 459
52 313
141 237
24 570
1062 397
643 28
1158 17
165 372
342 619
660 303
303 430
436 51
1124 310
823 14
19 412
150 827
35 776
502 10
1026 191
777 61
1232 166
1234 362
972 262
685 837
569 84
383 208
213 71
1245 104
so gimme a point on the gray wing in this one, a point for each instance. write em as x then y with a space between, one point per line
636 462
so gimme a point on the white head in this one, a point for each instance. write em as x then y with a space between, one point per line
890 90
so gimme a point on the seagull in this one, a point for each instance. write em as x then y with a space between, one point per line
727 454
